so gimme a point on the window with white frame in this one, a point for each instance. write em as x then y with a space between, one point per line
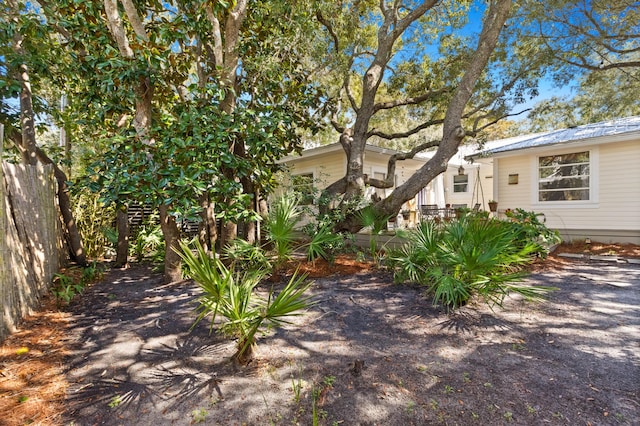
460 183
564 177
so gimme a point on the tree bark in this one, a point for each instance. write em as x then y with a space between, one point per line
207 231
116 28
171 233
27 116
122 249
227 59
453 132
27 120
64 203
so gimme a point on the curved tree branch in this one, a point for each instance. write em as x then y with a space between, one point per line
410 101
399 135
116 28
391 164
329 27
134 19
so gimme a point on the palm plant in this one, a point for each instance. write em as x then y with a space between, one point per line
148 241
231 294
466 257
369 217
322 241
280 224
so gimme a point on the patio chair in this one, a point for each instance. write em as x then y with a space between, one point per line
429 210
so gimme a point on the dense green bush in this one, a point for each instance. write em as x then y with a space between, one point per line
242 254
324 243
95 222
470 256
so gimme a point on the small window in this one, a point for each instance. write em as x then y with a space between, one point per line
460 183
303 186
564 177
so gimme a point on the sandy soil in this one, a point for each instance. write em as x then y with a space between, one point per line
370 352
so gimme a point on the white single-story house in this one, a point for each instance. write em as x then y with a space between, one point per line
584 179
461 184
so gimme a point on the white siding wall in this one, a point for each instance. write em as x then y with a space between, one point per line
474 192
619 203
326 170
486 183
615 204
513 196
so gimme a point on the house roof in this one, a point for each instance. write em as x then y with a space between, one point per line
605 129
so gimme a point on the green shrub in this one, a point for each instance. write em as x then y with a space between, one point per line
370 218
241 253
64 288
528 228
230 294
466 257
148 241
94 221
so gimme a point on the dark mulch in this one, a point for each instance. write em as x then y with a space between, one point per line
370 352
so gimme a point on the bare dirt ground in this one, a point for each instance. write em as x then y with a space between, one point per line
370 352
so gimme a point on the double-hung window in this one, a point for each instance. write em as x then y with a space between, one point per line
564 177
460 183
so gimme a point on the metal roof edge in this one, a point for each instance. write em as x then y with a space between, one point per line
568 137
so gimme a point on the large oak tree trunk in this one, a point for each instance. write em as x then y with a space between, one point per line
453 132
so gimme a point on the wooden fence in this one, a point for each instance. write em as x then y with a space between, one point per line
31 249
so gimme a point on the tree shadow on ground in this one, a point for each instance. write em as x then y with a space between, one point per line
571 360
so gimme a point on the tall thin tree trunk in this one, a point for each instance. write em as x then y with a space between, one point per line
122 224
72 235
27 119
227 60
207 232
27 116
64 203
250 225
171 233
